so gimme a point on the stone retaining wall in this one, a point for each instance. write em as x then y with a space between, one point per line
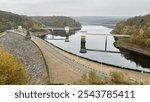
27 53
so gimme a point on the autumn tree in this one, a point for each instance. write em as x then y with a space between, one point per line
12 71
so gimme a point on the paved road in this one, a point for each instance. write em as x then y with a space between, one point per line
61 68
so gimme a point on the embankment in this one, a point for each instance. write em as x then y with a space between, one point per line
133 48
27 52
132 75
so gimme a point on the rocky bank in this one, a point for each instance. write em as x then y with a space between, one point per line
27 52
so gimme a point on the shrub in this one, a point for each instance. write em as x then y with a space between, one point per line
147 42
139 40
117 77
132 39
91 79
11 71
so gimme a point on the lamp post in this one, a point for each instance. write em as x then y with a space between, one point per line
141 77
67 33
83 42
101 66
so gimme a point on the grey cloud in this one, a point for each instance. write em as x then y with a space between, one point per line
77 7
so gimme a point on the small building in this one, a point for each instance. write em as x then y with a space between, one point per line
20 29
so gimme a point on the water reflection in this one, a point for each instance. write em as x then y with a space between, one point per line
139 59
62 34
95 46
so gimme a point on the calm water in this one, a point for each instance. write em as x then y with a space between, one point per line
125 59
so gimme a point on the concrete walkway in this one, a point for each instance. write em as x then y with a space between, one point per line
59 70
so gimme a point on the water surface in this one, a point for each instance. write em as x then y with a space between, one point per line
125 59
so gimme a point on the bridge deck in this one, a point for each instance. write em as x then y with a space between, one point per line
117 35
55 28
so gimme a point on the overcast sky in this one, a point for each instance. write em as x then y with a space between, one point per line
77 7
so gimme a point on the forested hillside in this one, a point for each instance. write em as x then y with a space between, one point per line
56 21
138 27
10 20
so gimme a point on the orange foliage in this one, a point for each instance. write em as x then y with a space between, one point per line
11 71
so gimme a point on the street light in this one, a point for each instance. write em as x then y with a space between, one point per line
101 66
141 77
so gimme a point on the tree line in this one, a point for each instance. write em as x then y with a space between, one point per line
56 21
10 20
139 29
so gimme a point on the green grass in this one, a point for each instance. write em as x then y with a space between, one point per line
123 40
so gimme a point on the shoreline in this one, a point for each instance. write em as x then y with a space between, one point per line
111 65
133 48
105 68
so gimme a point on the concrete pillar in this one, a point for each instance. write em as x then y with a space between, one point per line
52 36
52 33
83 42
106 43
67 38
67 29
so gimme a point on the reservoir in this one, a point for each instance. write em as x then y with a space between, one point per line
123 59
